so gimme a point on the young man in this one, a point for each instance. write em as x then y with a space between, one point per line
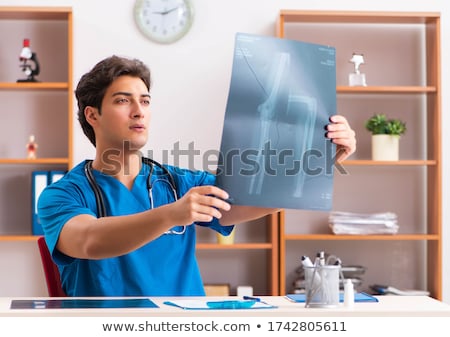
121 226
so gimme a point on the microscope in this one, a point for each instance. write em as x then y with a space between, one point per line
26 56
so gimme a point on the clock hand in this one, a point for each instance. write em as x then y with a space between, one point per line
167 11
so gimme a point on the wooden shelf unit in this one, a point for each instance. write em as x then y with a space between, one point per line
424 167
42 108
246 244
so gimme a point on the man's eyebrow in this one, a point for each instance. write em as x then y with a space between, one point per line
124 93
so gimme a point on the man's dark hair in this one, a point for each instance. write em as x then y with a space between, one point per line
93 85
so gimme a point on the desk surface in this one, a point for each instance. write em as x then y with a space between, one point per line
409 306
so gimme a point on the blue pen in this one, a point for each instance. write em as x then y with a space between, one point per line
251 298
255 300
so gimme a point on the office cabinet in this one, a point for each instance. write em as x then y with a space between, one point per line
402 67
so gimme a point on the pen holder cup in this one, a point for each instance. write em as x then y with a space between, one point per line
322 286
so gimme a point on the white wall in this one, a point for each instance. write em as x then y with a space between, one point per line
191 77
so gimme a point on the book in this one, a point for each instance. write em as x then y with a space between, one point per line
273 151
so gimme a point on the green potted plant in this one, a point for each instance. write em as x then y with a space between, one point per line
385 136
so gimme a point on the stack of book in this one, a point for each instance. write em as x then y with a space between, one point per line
363 223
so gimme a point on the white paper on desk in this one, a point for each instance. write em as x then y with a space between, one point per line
203 305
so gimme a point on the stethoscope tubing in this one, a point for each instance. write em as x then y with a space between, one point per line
99 199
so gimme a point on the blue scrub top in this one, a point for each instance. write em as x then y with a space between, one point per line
166 266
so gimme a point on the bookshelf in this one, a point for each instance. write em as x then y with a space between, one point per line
41 108
402 54
251 260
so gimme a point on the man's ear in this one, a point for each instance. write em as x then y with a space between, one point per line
91 115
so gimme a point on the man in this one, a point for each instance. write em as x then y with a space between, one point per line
121 226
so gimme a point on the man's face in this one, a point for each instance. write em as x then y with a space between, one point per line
125 115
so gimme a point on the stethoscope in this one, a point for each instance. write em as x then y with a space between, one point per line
100 201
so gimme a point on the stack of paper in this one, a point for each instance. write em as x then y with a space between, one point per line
363 223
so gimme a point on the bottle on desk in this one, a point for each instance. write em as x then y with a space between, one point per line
349 293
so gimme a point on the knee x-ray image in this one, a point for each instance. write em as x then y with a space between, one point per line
274 152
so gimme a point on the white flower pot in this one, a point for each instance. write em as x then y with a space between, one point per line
385 147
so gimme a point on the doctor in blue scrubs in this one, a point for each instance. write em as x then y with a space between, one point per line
124 225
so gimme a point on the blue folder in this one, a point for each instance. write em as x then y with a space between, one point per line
39 181
359 297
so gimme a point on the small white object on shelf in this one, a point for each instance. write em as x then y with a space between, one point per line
357 79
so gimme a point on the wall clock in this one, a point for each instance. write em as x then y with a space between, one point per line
163 21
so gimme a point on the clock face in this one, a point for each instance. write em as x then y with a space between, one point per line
163 21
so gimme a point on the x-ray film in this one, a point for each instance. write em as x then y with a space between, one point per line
274 152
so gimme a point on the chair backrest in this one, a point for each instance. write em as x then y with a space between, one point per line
51 271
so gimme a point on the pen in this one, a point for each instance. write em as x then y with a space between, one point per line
321 257
317 282
341 273
255 300
306 262
251 298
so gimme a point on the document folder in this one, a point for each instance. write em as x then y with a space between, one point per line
359 297
54 176
39 181
189 304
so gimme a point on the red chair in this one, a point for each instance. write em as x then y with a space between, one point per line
51 272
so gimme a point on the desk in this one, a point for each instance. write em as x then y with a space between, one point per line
388 306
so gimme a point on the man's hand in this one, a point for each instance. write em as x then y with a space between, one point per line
341 134
200 204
